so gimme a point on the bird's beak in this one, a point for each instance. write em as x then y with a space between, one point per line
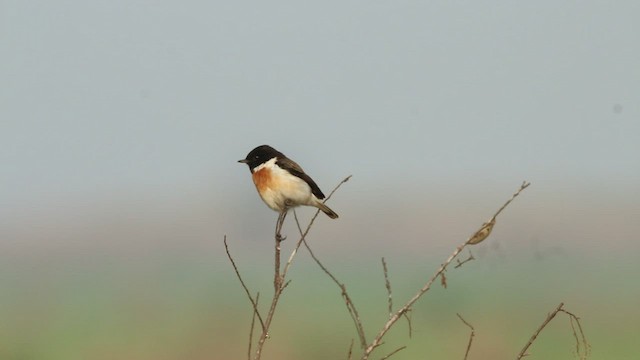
243 161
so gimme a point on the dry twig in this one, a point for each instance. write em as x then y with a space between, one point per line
353 312
486 228
582 347
377 341
277 279
473 333
350 350
460 263
280 282
254 303
440 272
550 317
253 323
393 353
388 286
443 280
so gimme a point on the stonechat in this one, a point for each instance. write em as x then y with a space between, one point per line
281 182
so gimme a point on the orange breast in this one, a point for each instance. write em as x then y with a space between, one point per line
262 179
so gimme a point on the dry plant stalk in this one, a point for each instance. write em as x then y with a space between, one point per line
387 284
280 283
582 346
460 263
473 333
253 324
350 350
279 279
480 235
353 312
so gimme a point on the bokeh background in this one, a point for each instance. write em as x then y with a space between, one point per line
121 123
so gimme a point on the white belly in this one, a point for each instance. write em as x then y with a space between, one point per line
285 190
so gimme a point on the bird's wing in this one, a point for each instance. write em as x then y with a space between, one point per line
296 170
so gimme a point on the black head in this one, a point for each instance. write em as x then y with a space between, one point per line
260 155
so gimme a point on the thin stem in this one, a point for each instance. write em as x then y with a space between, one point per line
393 353
377 341
480 235
353 312
253 323
279 280
550 317
473 333
387 284
254 303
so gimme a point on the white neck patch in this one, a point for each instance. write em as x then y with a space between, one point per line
269 164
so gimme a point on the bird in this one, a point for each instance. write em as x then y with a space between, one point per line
281 182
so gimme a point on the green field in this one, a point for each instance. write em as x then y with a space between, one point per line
193 308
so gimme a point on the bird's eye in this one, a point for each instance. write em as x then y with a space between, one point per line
256 157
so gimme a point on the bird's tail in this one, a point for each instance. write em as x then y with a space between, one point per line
325 209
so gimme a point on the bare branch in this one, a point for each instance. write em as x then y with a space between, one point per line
350 350
482 233
460 263
254 303
353 312
393 352
524 185
265 332
440 272
337 187
388 286
582 346
485 229
280 283
473 333
313 219
377 341
279 280
550 317
408 317
253 323
443 280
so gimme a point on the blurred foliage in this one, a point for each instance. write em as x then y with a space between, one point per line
190 309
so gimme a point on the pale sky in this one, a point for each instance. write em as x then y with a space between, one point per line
121 122
102 98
